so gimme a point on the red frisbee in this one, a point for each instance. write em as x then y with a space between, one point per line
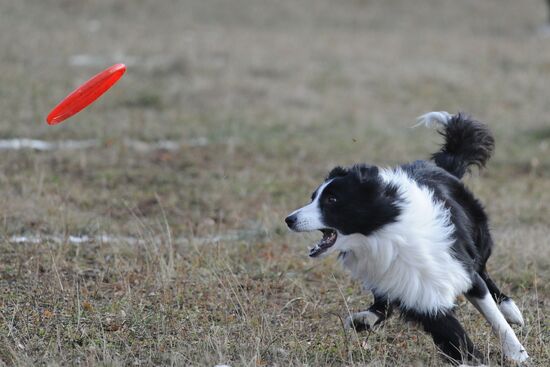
86 94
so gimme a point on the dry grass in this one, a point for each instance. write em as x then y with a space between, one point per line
282 91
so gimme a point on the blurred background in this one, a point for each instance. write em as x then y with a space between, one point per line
148 228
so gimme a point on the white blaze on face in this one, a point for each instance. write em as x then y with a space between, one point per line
309 217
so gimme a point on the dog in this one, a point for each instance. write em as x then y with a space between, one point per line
417 238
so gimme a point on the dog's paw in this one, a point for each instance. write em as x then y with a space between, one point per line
515 352
360 321
511 312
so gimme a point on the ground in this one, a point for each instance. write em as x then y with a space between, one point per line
184 258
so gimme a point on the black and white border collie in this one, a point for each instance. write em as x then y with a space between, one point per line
417 238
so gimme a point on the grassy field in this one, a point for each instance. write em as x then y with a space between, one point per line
195 266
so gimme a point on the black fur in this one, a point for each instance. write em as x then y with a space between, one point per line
448 335
467 142
357 201
497 295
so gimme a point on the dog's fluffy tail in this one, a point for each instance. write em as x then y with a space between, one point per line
467 142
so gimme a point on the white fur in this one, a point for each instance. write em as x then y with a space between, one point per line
309 217
431 119
511 346
511 312
366 318
409 260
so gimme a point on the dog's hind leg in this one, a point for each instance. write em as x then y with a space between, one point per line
505 304
480 297
374 316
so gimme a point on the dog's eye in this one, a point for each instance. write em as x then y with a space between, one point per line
331 199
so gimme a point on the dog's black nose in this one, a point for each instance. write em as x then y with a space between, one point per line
291 220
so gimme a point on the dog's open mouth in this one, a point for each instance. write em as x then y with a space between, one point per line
329 239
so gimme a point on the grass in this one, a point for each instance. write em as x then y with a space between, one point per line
281 91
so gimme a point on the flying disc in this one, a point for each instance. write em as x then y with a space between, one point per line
86 94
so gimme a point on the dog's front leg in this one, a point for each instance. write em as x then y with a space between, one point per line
374 316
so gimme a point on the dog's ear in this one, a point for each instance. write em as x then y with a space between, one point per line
365 173
337 172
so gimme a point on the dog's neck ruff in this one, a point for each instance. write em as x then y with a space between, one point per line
411 260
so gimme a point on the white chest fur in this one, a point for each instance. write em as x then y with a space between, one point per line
410 260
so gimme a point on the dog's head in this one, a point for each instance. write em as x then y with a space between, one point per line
350 201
